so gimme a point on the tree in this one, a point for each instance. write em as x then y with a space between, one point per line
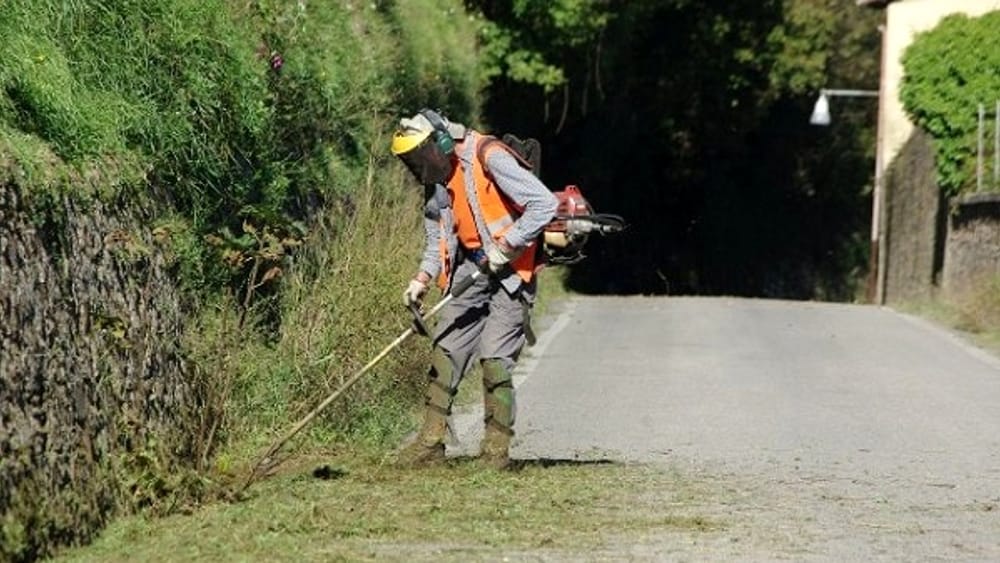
690 118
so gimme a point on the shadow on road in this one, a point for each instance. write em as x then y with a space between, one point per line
543 462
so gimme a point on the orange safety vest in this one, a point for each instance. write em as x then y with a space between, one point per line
496 209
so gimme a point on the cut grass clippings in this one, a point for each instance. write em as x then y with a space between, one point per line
351 510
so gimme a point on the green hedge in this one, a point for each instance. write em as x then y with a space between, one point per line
949 71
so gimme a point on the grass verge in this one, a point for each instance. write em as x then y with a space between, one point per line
352 508
975 312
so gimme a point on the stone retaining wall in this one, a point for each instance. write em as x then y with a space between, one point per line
90 368
973 245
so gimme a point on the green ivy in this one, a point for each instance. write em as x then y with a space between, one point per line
949 71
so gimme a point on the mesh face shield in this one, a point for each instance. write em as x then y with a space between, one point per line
428 163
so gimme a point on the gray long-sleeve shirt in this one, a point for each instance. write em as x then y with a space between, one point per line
516 182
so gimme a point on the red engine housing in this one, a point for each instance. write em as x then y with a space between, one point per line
571 204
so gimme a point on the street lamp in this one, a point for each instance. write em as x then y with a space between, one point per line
821 111
876 257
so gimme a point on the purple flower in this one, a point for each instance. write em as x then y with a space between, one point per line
277 61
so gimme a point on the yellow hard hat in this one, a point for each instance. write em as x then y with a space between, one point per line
405 140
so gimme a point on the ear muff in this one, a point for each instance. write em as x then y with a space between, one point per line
440 134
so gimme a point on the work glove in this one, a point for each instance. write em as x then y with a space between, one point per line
414 292
499 255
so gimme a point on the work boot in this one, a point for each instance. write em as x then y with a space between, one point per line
498 410
495 447
428 447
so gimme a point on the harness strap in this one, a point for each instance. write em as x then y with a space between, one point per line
473 196
490 387
529 332
489 141
512 281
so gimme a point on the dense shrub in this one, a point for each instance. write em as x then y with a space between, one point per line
949 71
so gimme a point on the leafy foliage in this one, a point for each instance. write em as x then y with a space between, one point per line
691 120
949 71
533 41
801 44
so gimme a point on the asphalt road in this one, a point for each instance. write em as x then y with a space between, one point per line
812 431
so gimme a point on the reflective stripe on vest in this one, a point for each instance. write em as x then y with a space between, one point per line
485 207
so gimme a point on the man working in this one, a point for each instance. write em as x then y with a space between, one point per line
483 209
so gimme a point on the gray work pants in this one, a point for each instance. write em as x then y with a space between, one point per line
483 323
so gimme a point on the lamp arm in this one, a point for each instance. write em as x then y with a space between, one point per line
849 93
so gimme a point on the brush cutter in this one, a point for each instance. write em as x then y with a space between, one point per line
268 461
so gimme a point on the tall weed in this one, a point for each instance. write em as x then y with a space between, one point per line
339 303
978 308
440 66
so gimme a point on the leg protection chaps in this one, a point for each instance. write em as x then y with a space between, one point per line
498 407
428 447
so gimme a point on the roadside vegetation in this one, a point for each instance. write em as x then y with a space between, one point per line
975 313
255 136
